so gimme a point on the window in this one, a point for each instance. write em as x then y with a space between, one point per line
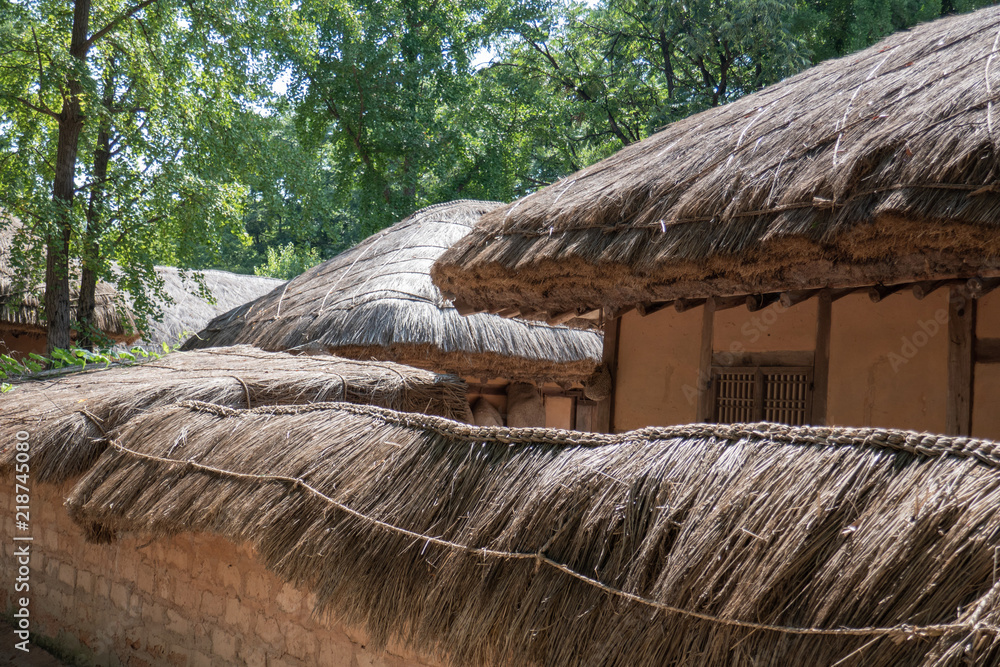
781 394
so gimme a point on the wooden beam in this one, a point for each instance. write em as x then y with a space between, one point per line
487 389
879 292
821 359
684 305
704 408
961 348
819 273
757 302
789 299
988 350
509 312
922 289
563 317
778 358
980 287
650 307
618 312
604 411
727 302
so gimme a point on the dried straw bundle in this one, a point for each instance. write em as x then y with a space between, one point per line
71 417
877 168
692 545
377 301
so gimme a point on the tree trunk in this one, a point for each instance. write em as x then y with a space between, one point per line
87 305
57 300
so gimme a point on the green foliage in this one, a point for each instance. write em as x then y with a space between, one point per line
389 90
385 111
75 357
165 89
587 81
287 261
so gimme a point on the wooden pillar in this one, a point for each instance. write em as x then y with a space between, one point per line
821 362
583 417
705 408
604 411
961 360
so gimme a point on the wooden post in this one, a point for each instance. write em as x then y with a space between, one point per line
821 360
583 417
604 411
961 360
705 393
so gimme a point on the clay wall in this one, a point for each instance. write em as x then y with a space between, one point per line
888 360
193 600
657 375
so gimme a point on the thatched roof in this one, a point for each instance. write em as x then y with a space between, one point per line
23 310
70 417
705 544
877 168
190 312
377 301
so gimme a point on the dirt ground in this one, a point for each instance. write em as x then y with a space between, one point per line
35 657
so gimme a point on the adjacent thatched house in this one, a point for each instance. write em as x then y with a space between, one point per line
376 301
852 209
189 311
22 323
22 326
197 599
456 545
72 416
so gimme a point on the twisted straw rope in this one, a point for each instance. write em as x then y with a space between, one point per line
920 444
904 630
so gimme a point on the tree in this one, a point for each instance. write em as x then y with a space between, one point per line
130 81
610 74
834 28
386 86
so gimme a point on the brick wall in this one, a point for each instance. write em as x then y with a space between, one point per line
193 599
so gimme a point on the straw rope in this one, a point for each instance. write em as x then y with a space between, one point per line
904 630
920 444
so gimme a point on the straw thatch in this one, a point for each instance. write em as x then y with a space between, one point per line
376 301
694 545
23 310
71 417
877 168
189 312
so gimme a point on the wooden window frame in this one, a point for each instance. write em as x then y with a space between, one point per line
759 371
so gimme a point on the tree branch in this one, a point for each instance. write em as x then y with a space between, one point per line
38 51
124 16
42 110
535 180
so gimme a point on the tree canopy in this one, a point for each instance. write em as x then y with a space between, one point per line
264 137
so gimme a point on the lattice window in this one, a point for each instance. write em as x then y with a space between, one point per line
774 394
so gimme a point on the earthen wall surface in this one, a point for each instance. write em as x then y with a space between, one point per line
192 600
